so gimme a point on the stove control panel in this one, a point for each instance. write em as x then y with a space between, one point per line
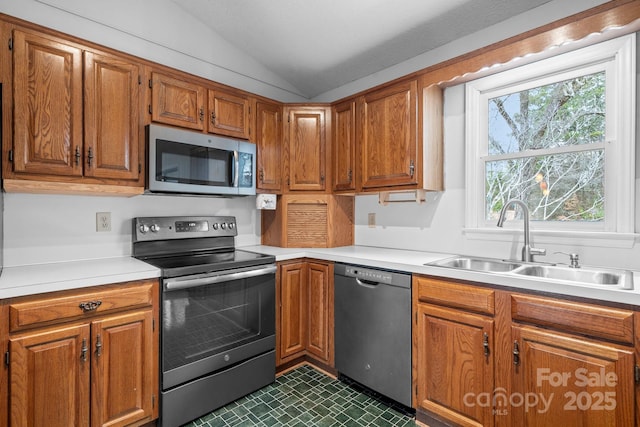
178 227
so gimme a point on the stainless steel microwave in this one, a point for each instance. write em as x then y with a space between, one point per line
187 162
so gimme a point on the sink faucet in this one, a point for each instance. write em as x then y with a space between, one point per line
527 251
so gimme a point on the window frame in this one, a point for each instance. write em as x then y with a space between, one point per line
617 58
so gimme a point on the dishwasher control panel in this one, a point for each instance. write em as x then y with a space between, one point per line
371 275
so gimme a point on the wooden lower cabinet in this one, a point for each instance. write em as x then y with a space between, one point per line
305 311
97 371
486 357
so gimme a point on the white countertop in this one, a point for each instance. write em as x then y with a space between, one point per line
42 278
413 262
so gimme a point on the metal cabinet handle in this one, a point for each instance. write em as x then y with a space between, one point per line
201 114
485 344
84 350
350 175
98 346
213 117
90 156
261 175
412 168
90 305
516 353
77 155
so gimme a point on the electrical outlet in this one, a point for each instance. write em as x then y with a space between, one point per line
372 220
103 221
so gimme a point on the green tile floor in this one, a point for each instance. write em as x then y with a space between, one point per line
306 397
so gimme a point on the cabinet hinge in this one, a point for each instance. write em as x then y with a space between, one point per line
6 358
416 390
139 79
150 84
288 119
10 43
11 156
139 167
636 375
153 325
150 110
153 400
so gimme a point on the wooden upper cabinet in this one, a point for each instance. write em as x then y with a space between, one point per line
306 148
47 94
388 137
268 139
229 114
111 117
177 102
344 146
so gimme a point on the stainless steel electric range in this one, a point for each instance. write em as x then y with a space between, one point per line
217 309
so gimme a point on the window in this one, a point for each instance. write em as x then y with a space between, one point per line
559 135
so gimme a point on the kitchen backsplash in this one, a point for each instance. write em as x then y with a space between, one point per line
52 228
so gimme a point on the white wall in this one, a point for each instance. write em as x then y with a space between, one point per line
53 228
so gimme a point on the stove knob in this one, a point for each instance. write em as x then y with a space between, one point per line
215 225
231 226
155 228
144 228
223 225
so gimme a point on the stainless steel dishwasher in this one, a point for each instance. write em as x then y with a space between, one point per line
373 329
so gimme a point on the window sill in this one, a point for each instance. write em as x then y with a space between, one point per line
579 238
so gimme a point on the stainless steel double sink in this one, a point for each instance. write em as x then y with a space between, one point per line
586 276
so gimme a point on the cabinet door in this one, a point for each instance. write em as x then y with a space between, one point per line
47 85
293 311
306 149
569 381
177 102
454 364
269 143
229 114
49 378
111 117
389 137
320 311
344 146
122 386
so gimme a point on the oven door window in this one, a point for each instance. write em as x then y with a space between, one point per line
207 320
193 164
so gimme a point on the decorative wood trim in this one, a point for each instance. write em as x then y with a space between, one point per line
47 187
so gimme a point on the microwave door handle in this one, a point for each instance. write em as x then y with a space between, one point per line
236 168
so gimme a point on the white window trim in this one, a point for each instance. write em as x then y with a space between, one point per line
617 56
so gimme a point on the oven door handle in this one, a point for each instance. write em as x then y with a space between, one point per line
174 284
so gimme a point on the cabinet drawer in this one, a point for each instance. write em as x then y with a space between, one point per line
586 319
63 306
457 295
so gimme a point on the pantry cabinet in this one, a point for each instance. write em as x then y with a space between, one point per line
76 118
305 312
486 357
229 114
84 358
269 146
306 148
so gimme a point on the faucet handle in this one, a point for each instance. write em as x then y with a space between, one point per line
574 258
536 251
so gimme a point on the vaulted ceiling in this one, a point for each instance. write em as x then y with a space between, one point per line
318 46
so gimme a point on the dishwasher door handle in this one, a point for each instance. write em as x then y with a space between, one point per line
367 283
